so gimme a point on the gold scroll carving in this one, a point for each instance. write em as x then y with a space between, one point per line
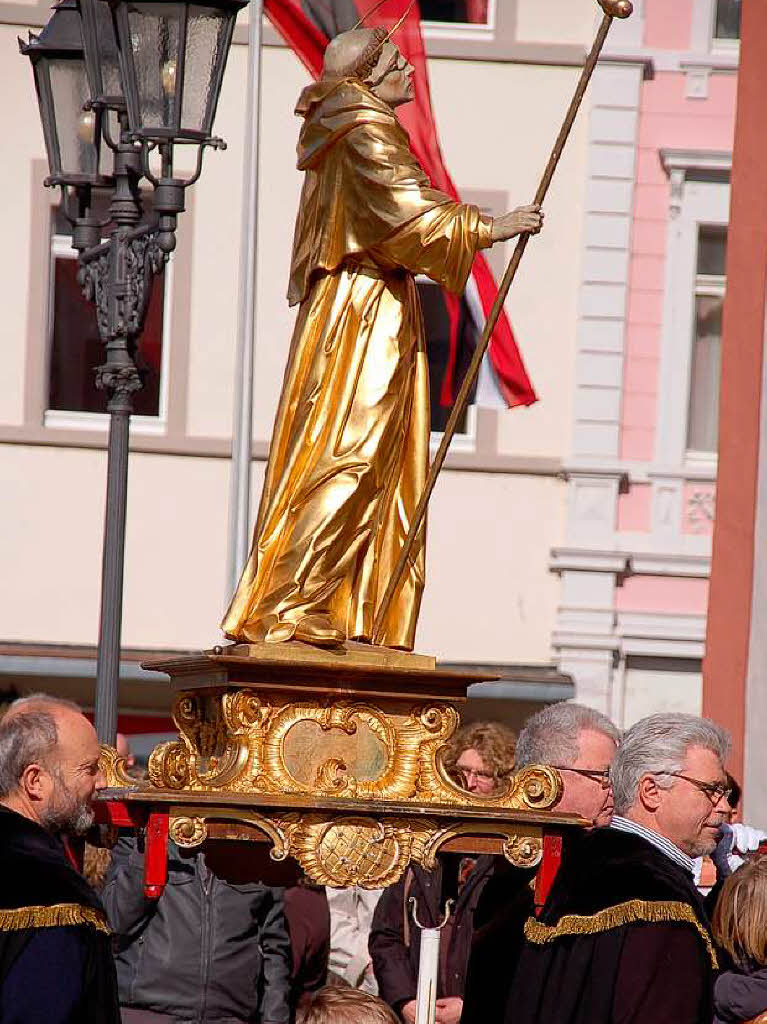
114 768
239 741
355 849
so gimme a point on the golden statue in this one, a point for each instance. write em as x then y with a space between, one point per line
349 453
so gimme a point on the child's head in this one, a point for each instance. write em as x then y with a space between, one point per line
343 1005
740 918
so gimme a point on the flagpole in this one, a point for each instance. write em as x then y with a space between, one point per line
242 428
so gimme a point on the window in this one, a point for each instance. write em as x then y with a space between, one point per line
687 413
332 16
75 348
727 20
470 324
703 419
437 332
472 12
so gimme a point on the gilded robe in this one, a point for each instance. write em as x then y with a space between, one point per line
350 448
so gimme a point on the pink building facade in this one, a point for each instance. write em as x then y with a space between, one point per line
636 559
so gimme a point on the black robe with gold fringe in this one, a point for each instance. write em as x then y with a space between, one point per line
624 938
55 948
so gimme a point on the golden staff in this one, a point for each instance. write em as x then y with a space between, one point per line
612 9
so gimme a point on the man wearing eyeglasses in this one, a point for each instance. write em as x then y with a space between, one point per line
580 742
625 935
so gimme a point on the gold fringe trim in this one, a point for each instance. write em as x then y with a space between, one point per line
57 916
633 912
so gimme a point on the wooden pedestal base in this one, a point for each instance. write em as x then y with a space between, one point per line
335 759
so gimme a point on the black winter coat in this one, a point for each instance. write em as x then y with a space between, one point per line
624 936
507 901
394 942
207 952
55 948
740 996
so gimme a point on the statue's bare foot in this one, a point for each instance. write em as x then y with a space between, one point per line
318 629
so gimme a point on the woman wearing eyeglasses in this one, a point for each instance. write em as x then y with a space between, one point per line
479 758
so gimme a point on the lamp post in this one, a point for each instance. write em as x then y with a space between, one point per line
138 77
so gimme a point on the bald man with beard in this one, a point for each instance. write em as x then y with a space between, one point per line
55 949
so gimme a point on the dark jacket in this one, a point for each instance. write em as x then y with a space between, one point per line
308 916
740 996
624 936
55 947
207 951
507 901
395 940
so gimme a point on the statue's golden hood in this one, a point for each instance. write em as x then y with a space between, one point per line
362 181
333 107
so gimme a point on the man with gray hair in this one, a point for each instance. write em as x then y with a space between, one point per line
55 951
580 742
624 935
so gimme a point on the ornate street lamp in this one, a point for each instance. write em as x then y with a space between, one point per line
140 76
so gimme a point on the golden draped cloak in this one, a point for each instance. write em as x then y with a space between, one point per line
350 447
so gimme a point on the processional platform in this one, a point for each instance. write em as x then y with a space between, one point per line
332 757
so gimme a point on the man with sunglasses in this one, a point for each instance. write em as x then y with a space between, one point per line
625 935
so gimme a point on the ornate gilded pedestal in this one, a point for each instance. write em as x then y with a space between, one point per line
334 758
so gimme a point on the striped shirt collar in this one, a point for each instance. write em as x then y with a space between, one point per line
658 841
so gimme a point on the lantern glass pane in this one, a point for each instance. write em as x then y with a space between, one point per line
154 32
76 128
101 54
111 82
205 40
42 85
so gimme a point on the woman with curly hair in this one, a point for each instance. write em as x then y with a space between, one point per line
480 757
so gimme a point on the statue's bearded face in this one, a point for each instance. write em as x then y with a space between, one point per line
392 77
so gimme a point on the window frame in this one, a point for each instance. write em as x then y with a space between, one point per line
700 196
464 29
493 203
702 38
706 286
64 419
722 44
465 441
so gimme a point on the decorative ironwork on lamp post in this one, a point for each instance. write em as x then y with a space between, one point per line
134 78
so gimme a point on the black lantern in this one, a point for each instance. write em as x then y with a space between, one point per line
173 57
101 56
141 75
72 128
